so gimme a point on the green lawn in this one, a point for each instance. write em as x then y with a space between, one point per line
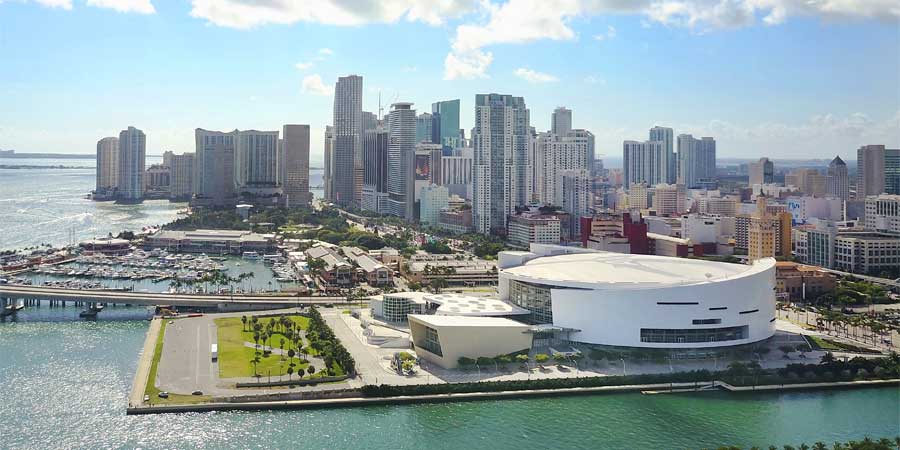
824 344
235 358
153 391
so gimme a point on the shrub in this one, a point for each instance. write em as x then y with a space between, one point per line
541 358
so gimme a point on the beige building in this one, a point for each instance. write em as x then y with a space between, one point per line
182 175
107 163
442 340
668 199
769 232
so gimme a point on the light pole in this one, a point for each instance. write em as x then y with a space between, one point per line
624 373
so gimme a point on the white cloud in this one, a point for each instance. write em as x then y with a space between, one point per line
326 51
63 4
532 76
125 6
522 21
312 84
304 65
252 13
610 34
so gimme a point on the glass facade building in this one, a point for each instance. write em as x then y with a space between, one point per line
533 297
687 335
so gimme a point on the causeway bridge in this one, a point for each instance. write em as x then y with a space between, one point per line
225 302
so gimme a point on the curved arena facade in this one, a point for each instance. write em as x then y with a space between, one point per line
640 300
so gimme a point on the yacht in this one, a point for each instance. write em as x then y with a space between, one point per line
251 255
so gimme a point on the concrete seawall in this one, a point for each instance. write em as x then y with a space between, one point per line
144 363
475 396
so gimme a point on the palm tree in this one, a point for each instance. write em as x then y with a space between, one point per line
244 323
255 361
290 371
310 370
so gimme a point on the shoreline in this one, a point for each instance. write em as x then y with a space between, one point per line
659 388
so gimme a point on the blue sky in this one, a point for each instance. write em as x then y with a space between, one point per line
765 77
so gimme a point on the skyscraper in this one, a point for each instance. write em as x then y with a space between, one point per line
877 171
556 153
182 176
327 176
837 180
401 160
295 162
107 164
762 172
346 153
214 167
696 160
500 140
574 196
448 115
644 162
561 121
375 169
256 160
667 137
424 127
131 163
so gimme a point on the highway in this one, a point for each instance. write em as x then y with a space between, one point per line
156 298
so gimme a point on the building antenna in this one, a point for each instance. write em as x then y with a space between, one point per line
380 109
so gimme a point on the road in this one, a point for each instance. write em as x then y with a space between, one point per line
157 298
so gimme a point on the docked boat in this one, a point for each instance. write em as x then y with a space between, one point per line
250 255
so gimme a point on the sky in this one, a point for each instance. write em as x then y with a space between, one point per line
778 78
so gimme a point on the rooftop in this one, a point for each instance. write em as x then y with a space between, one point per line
606 270
465 305
461 321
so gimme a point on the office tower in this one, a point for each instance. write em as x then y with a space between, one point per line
447 113
707 165
500 140
637 196
883 214
369 121
456 172
346 153
375 169
555 153
256 160
327 176
423 128
214 167
808 181
427 168
696 160
667 137
432 200
182 176
295 164
107 164
669 199
837 180
561 121
877 171
574 196
761 172
644 162
132 157
401 160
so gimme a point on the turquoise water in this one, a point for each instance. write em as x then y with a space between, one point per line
64 384
48 205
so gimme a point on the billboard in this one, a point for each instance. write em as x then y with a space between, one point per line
423 167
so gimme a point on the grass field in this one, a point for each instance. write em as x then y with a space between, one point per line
235 357
153 391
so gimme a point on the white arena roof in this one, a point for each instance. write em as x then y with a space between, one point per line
465 305
607 270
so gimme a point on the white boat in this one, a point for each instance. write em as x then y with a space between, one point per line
250 255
